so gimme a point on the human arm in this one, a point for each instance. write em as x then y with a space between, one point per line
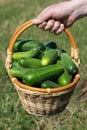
60 15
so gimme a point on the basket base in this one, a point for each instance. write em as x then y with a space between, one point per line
41 104
43 113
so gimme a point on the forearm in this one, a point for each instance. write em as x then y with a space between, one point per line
79 8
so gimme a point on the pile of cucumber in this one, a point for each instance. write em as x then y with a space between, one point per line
42 65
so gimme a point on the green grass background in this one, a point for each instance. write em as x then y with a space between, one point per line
13 13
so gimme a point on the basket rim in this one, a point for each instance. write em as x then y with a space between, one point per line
46 90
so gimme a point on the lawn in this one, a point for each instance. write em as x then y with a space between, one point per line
13 13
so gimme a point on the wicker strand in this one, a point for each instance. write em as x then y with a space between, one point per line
8 59
75 56
72 52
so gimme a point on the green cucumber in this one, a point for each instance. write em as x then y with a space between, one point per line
64 79
59 51
18 46
46 49
68 64
25 45
30 62
15 64
49 57
51 44
31 53
49 84
17 72
37 76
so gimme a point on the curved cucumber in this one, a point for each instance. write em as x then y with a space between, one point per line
30 62
68 64
25 45
31 53
37 76
49 84
49 57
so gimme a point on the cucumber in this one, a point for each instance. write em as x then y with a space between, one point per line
18 46
31 53
30 62
51 44
49 84
64 79
68 64
37 76
17 72
46 49
25 45
60 51
49 57
15 64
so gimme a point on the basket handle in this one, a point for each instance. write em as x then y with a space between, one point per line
23 27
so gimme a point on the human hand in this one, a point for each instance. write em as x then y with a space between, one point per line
58 16
55 17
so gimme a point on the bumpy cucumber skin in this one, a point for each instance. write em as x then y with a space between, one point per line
31 53
25 45
68 64
49 57
30 62
39 75
49 84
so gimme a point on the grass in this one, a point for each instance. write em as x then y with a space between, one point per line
13 13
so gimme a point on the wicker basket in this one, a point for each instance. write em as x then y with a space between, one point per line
40 101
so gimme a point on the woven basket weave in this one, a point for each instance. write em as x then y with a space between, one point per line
40 101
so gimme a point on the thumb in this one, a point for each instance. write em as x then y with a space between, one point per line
43 17
37 20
